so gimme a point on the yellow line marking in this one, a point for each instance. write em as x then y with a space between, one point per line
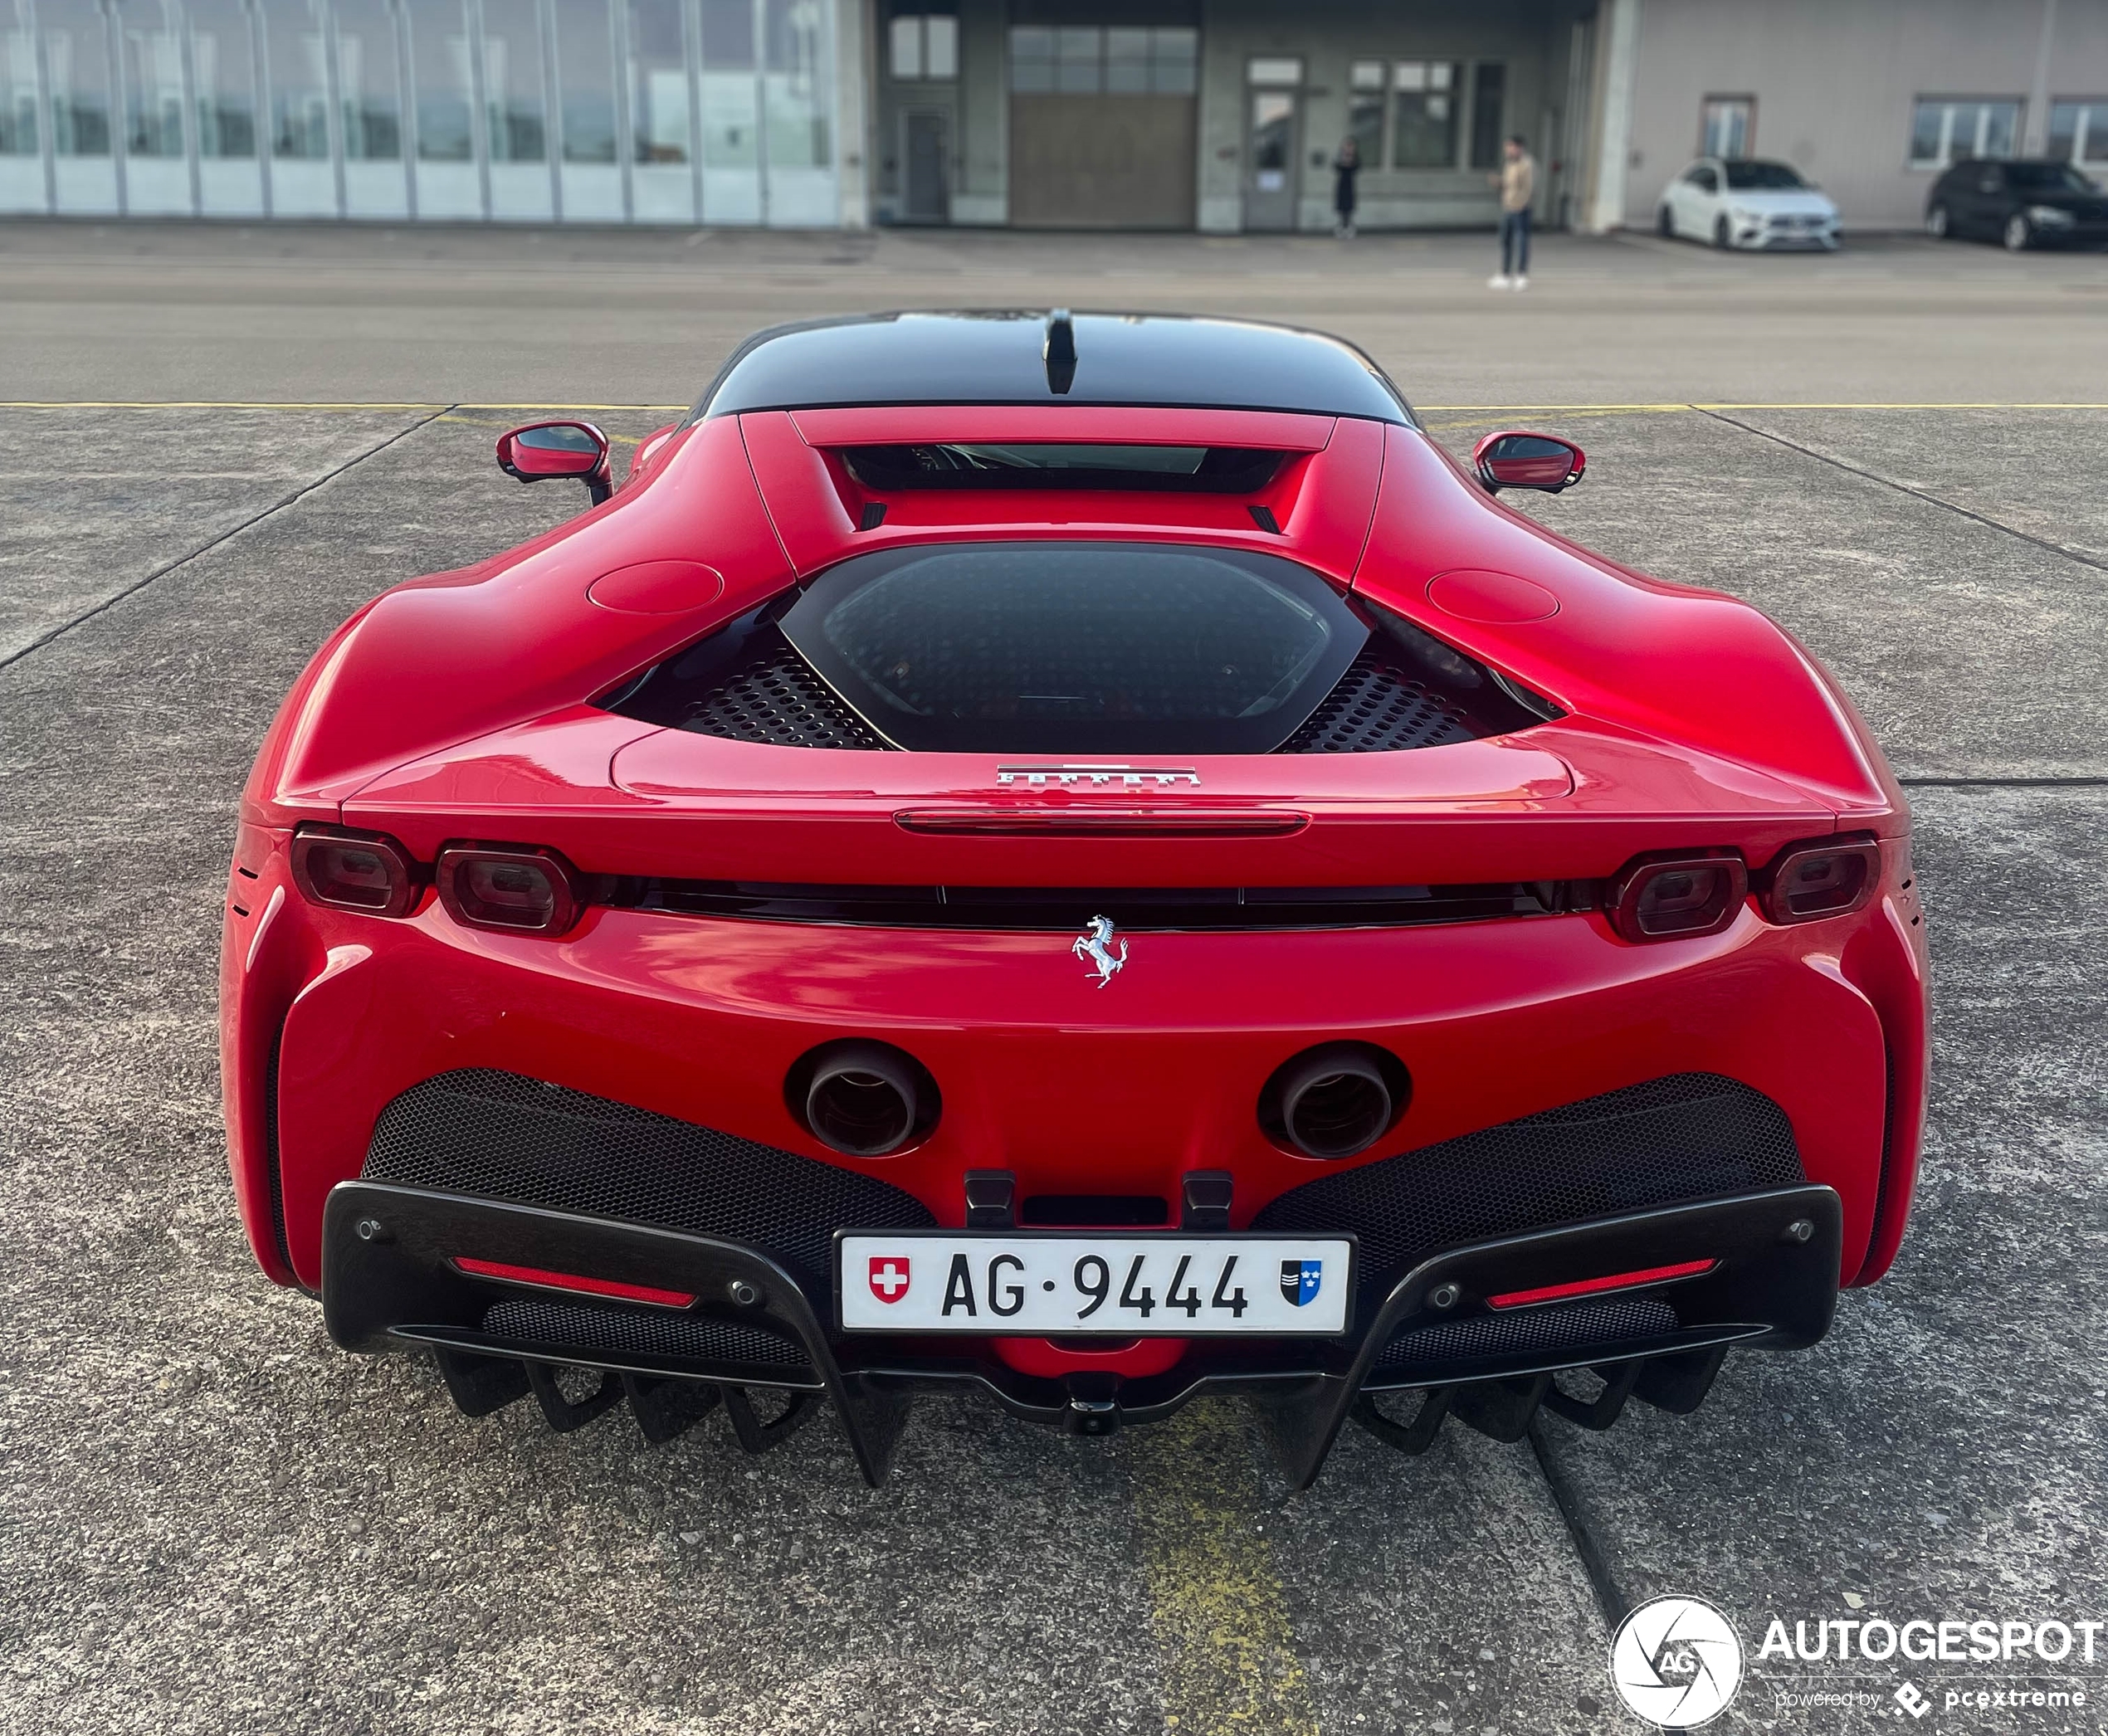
235 404
1488 416
199 404
1221 1615
1564 415
1986 405
482 422
676 409
1673 409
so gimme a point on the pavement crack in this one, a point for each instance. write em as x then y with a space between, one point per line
1905 488
1610 1596
162 572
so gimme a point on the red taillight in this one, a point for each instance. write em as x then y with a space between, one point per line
1810 881
354 871
519 891
571 1281
1596 1286
1672 897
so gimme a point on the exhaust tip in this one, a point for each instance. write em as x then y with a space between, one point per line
1335 1100
863 1098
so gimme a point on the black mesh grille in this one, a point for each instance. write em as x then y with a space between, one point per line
1549 1328
502 1136
1690 1136
1376 709
780 698
580 1326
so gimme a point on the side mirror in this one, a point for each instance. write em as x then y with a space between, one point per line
545 449
1516 460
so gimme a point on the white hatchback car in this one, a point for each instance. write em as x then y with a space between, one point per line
1746 202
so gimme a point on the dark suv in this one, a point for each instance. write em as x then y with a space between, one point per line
2024 203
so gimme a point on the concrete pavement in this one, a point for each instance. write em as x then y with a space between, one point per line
216 1522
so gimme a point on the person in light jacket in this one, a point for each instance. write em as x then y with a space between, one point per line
1517 181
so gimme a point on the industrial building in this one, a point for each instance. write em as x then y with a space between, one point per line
1219 115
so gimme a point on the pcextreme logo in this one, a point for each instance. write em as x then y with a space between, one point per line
1677 1662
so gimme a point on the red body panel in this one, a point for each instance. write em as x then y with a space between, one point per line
458 708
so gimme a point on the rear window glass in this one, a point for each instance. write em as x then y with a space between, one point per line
1762 178
953 464
2046 178
1077 647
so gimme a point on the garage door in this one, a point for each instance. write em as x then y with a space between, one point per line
1102 127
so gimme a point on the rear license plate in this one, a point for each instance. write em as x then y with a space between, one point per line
1062 1284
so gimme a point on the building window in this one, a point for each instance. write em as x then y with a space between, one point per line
1946 129
1088 60
512 82
1152 62
225 66
658 74
368 84
1489 91
731 113
440 77
1727 126
2078 129
299 87
585 80
154 95
19 135
796 108
1365 111
1423 114
926 47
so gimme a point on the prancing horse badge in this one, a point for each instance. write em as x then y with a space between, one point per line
1095 947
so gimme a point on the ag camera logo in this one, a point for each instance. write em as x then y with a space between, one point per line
1677 1662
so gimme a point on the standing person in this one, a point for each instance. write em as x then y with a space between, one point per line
1518 185
1345 166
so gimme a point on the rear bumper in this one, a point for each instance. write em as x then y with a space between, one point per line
331 1018
389 1279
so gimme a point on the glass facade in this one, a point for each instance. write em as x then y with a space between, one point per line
369 82
224 62
153 82
717 111
77 50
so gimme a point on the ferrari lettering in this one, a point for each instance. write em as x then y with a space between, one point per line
1098 778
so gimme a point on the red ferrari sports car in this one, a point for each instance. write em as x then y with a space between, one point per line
1083 858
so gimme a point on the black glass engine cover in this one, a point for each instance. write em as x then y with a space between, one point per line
1077 648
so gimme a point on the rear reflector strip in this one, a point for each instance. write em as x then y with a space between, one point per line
1596 1286
570 1281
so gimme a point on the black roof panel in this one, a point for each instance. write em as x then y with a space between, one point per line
997 358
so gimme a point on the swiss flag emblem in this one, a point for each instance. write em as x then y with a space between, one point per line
889 1276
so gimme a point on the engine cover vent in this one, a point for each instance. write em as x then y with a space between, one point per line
1377 708
1402 690
780 698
